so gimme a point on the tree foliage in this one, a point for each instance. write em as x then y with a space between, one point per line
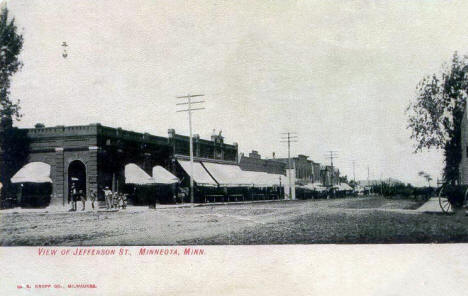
405 191
11 44
435 116
343 179
14 143
15 150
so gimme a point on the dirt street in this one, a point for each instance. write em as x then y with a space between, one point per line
352 220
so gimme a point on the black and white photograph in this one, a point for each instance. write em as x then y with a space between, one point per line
232 123
131 125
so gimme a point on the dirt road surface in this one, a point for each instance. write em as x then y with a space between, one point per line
353 220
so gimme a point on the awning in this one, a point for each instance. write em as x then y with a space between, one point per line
227 174
163 176
33 172
315 187
359 188
200 176
254 178
343 187
275 179
261 179
135 175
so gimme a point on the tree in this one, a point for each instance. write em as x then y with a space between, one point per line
343 179
11 44
14 144
435 116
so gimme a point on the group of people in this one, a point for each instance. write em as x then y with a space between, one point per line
79 195
114 200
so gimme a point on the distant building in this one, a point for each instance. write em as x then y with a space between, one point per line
330 176
214 149
254 162
315 172
307 171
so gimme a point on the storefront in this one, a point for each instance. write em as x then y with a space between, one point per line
34 185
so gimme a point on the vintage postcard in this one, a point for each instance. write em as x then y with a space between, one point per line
233 147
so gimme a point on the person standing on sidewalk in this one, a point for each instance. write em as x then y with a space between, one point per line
108 195
115 200
124 201
74 197
92 197
82 196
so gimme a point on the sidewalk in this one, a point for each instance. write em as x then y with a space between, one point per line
431 206
245 202
65 209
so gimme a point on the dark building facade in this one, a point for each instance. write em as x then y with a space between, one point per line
303 166
94 156
330 175
207 149
315 172
254 162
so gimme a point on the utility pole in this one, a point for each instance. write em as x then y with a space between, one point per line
368 184
368 175
354 171
289 138
189 110
332 155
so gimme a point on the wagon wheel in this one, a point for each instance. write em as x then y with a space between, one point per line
444 203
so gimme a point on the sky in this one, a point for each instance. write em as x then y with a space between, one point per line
339 74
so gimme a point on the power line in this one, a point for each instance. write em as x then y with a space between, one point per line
190 110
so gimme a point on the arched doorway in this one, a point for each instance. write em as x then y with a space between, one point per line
76 177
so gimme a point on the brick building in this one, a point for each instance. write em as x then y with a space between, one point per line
214 149
330 175
305 172
254 162
316 172
94 156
